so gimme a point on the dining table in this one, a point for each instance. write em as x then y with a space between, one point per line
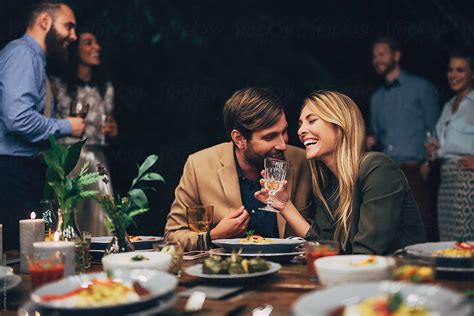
281 290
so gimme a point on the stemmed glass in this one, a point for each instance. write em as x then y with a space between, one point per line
79 109
431 144
199 220
275 174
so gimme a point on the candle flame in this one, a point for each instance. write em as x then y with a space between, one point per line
56 236
33 215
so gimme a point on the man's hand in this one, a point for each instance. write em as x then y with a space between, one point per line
77 126
233 224
280 199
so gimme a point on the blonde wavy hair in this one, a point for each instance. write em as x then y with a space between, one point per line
344 114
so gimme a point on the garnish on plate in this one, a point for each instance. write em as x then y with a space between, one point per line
365 262
460 249
250 237
139 258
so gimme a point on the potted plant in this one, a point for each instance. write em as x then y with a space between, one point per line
121 211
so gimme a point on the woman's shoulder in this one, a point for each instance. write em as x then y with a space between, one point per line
377 164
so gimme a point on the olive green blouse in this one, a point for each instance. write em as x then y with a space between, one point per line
385 216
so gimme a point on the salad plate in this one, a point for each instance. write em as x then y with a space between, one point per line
197 271
264 245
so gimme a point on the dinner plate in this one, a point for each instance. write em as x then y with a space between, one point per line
275 245
452 264
157 282
278 256
5 272
145 242
9 282
196 270
439 300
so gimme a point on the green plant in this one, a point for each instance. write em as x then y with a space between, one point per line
120 211
69 191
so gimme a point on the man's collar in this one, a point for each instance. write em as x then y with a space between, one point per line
396 82
35 46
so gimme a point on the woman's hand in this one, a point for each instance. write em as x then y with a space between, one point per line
110 127
280 198
466 162
431 150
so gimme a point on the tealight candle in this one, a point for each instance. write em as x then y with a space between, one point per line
67 248
31 230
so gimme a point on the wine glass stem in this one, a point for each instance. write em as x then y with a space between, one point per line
270 199
201 243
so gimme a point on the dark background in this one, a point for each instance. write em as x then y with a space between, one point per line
175 63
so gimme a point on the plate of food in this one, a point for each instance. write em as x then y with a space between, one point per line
448 255
382 298
234 267
281 257
139 242
253 243
123 291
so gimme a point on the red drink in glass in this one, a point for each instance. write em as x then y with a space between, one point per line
45 268
315 250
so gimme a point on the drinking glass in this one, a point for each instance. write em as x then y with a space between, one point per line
104 120
50 218
87 240
175 249
275 174
315 250
79 109
45 267
431 142
199 220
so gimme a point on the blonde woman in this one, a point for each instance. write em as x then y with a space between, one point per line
363 200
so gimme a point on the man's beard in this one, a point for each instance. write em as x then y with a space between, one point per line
57 53
257 160
390 66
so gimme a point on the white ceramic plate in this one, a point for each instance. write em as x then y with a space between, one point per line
5 272
439 300
278 257
152 260
196 270
145 242
157 282
9 282
454 264
276 246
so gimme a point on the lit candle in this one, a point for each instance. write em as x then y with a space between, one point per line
31 230
65 247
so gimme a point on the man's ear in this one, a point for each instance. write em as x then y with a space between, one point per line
45 21
238 139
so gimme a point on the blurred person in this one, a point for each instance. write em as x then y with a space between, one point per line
401 112
227 175
85 85
455 150
363 199
26 107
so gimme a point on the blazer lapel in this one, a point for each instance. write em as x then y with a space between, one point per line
229 179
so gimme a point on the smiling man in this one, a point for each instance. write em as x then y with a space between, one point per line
26 107
227 175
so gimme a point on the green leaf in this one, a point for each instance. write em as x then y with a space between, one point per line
152 177
138 197
89 193
147 164
72 156
53 164
134 213
89 178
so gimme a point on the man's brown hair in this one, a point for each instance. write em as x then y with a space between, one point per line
252 109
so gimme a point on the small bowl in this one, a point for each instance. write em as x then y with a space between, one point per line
353 268
150 260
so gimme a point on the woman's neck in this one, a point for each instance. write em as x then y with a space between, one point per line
84 72
461 94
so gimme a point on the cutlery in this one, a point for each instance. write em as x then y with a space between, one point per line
264 310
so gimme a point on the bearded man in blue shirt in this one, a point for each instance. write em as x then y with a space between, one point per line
401 112
26 107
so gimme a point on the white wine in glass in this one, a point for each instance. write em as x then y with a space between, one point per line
199 219
275 174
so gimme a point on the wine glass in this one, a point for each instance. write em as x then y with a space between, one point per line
431 144
199 219
79 109
275 174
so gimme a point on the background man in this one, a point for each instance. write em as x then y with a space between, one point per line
227 175
402 111
26 106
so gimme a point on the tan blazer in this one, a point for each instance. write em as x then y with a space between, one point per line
210 178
